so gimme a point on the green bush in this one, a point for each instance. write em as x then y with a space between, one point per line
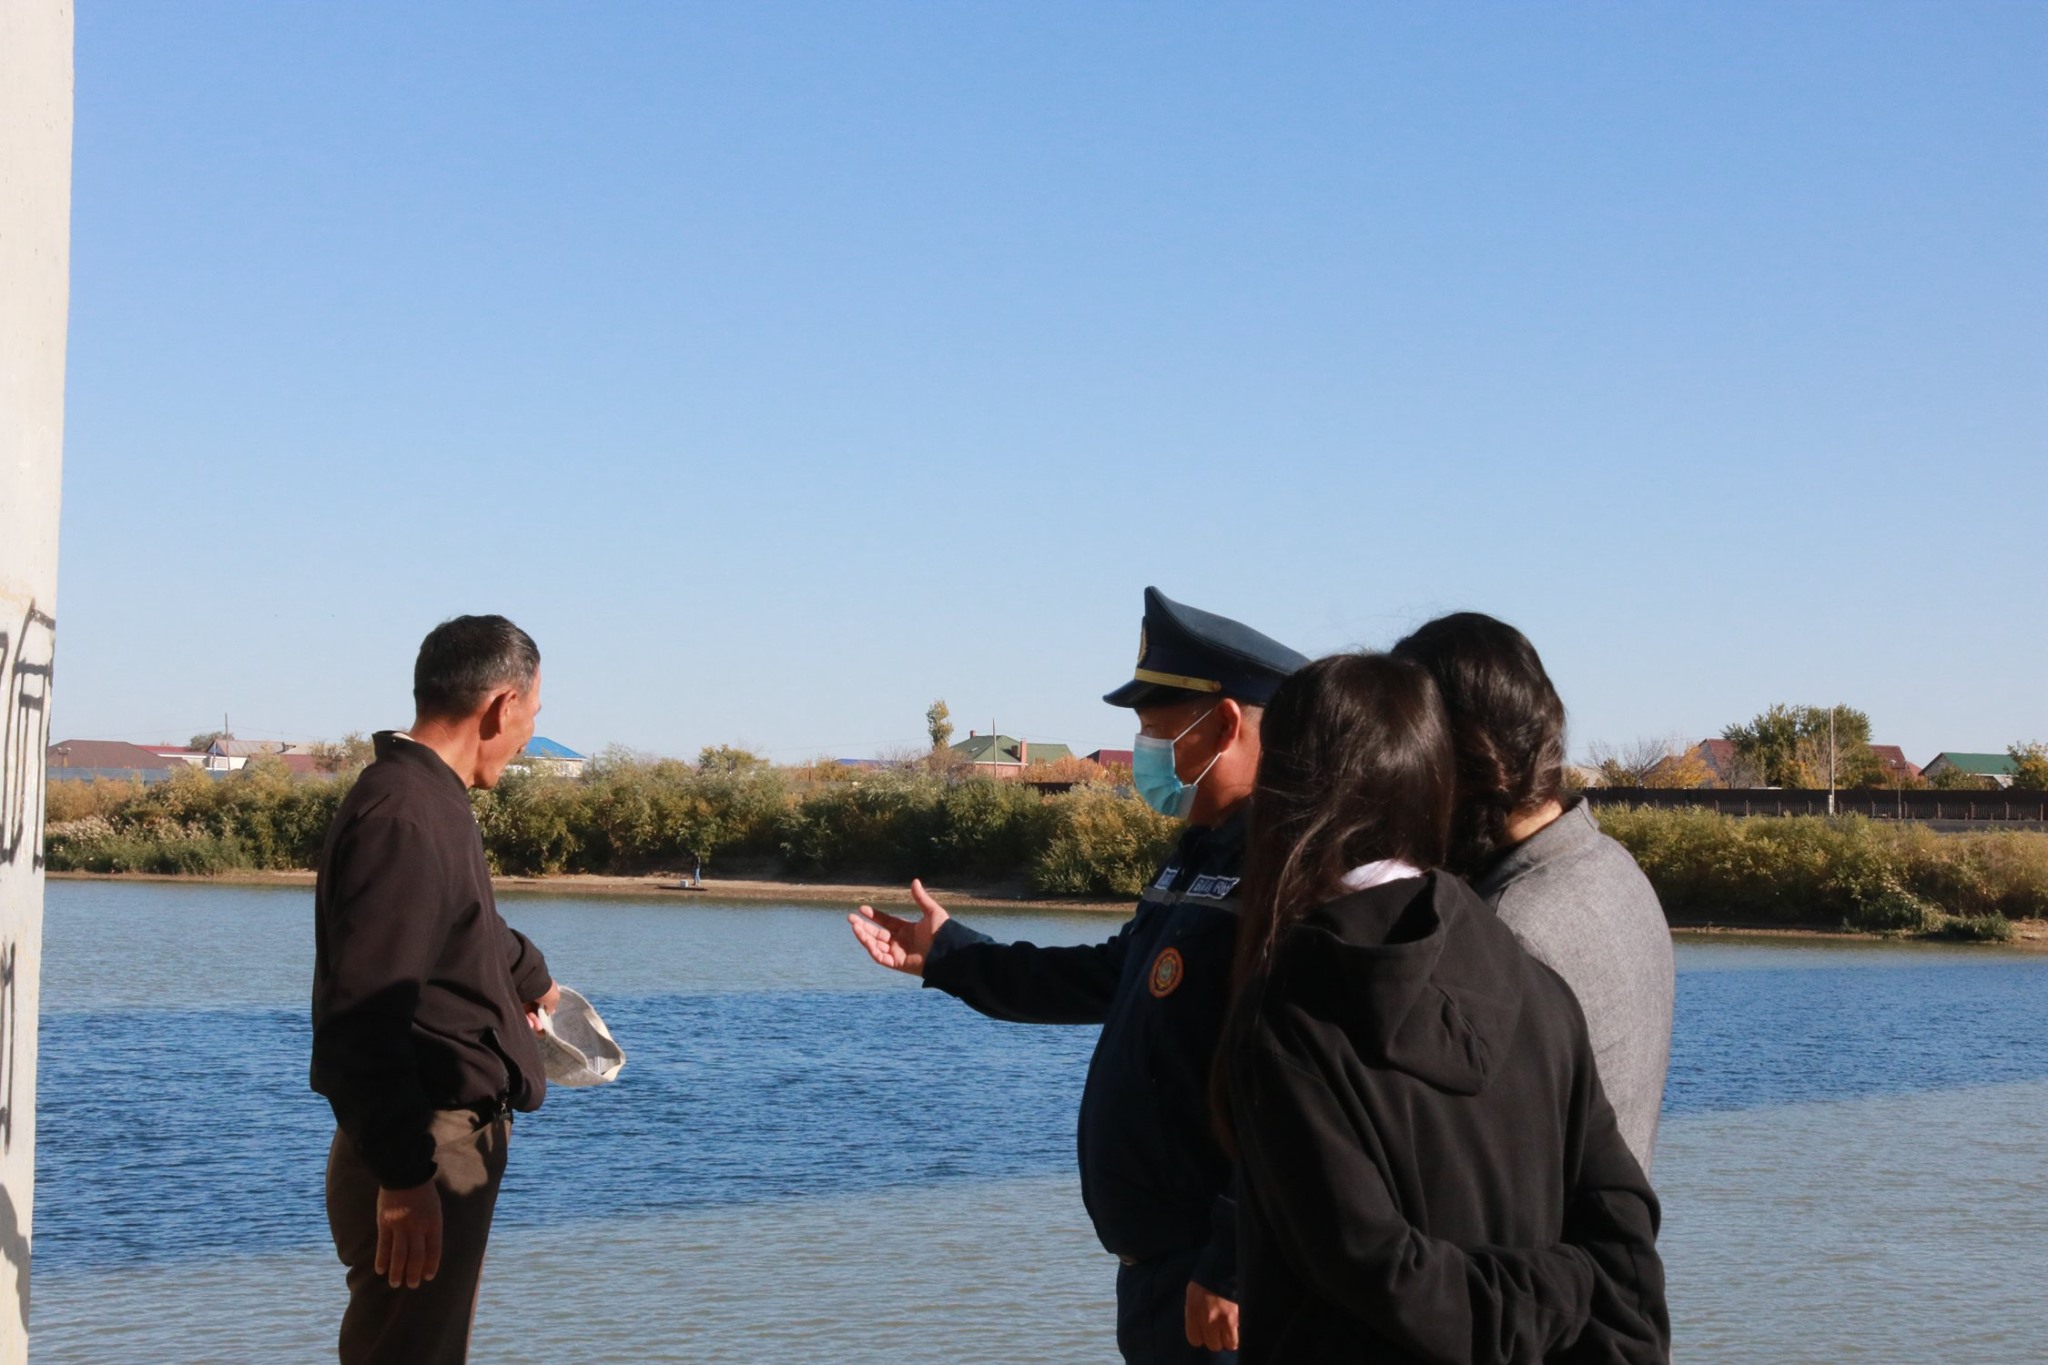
1848 871
95 844
258 818
1101 843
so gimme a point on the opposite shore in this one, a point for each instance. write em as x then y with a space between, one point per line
2027 935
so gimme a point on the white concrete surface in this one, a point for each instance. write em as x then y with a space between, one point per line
35 265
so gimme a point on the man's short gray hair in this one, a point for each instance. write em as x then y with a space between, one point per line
464 660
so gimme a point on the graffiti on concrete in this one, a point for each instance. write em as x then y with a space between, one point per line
28 650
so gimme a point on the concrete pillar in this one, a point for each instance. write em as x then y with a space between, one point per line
35 273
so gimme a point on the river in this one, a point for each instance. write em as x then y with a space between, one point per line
810 1159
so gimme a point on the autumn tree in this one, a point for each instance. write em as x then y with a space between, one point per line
938 723
2029 766
1686 771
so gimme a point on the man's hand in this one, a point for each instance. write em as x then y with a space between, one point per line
900 944
549 1002
409 1235
1211 1320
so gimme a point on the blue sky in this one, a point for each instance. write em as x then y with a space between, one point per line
782 367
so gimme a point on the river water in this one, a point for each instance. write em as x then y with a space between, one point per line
810 1159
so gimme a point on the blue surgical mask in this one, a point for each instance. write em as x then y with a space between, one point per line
1157 780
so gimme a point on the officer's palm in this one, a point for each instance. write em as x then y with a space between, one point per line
900 944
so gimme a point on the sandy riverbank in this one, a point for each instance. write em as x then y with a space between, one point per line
669 887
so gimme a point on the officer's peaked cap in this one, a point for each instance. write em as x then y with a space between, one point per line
1185 653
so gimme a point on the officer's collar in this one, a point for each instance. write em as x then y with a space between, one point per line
1226 836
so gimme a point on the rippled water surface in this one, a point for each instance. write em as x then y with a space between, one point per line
810 1159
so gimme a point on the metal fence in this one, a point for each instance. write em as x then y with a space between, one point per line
1932 807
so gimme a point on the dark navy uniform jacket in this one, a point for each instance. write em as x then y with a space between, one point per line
1152 1174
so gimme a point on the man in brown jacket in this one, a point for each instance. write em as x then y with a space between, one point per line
424 1002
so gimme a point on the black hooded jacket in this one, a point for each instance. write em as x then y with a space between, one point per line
1429 1171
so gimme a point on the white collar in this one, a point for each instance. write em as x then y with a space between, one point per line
1378 874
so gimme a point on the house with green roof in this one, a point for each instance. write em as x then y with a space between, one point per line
1005 756
1998 767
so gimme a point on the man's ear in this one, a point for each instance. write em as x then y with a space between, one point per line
492 721
1233 723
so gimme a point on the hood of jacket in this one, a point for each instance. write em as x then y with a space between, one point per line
1419 973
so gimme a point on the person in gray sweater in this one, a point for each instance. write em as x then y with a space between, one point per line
1572 895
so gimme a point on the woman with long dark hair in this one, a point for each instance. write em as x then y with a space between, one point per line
1428 1170
1532 850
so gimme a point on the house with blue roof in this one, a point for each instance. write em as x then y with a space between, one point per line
549 757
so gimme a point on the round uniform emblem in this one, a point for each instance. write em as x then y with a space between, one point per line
1166 972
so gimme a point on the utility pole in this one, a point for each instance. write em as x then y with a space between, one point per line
1831 760
35 283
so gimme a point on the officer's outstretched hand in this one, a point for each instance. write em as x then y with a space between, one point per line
900 944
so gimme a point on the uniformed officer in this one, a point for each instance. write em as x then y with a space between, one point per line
1156 1183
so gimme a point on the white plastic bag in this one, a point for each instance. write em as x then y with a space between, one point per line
575 1046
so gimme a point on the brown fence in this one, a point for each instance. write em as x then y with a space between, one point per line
1981 807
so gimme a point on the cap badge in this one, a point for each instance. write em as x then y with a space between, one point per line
1167 971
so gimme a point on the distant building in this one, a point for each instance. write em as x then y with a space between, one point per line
1898 771
82 760
1111 758
1004 756
228 754
550 757
179 753
1998 767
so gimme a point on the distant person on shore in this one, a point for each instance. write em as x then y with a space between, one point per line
1572 895
1428 1171
425 1002
1154 1176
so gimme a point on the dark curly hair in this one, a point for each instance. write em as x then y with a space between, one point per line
1355 765
1507 724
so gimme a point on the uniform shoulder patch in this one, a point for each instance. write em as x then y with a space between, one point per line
1166 974
1213 888
1166 876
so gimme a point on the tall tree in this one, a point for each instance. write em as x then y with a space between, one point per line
1793 746
938 723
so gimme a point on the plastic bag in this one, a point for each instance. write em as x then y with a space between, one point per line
575 1046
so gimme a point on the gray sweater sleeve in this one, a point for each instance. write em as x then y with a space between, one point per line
1581 906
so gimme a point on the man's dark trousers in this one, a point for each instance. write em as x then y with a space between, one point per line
1152 1313
429 1325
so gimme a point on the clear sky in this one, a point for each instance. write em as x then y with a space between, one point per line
784 366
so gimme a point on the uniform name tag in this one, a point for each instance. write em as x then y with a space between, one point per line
1214 888
1166 876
